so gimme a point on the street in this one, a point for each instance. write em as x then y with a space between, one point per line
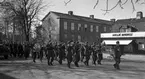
26 69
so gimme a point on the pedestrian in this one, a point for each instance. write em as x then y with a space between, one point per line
117 55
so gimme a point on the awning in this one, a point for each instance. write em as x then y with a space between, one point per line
113 42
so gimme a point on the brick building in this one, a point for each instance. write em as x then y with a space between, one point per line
130 33
63 27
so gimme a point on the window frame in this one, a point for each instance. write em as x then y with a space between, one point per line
79 27
91 28
65 25
105 29
85 27
72 26
97 28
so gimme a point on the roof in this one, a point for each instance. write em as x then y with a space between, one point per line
131 20
77 17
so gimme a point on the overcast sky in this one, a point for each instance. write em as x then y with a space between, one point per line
85 8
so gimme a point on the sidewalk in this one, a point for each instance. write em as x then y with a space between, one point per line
128 57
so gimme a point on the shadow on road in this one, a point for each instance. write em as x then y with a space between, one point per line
4 76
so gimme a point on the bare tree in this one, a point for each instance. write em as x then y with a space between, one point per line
119 3
25 11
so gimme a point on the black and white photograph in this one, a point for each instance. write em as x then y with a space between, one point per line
72 39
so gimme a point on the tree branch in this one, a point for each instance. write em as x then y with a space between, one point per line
133 5
107 10
67 2
96 4
125 2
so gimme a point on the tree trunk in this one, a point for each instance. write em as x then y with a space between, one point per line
27 37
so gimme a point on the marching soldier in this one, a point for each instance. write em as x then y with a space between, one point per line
117 55
69 53
83 50
41 53
61 53
50 53
100 54
87 54
36 50
94 55
76 54
56 49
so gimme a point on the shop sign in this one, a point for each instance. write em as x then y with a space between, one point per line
122 34
127 34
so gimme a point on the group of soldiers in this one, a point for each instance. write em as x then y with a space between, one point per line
71 51
18 49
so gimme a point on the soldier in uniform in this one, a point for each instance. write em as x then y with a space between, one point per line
117 55
77 54
56 49
83 50
87 54
94 55
100 54
69 53
41 53
61 53
50 53
36 50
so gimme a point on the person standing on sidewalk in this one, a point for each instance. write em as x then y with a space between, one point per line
117 55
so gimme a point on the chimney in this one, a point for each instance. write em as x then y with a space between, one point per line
92 16
112 20
139 15
70 12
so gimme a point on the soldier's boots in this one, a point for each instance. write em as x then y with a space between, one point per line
116 66
76 64
51 63
68 65
60 62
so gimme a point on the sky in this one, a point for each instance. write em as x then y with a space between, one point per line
85 8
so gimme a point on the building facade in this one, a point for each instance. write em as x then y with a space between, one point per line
64 27
130 33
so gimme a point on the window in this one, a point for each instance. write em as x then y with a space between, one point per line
65 35
65 25
91 29
121 30
141 46
73 37
104 29
85 27
79 38
128 30
97 28
79 27
72 26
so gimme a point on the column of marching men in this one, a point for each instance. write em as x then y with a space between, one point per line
71 51
18 49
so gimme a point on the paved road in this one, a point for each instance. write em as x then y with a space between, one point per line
26 69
